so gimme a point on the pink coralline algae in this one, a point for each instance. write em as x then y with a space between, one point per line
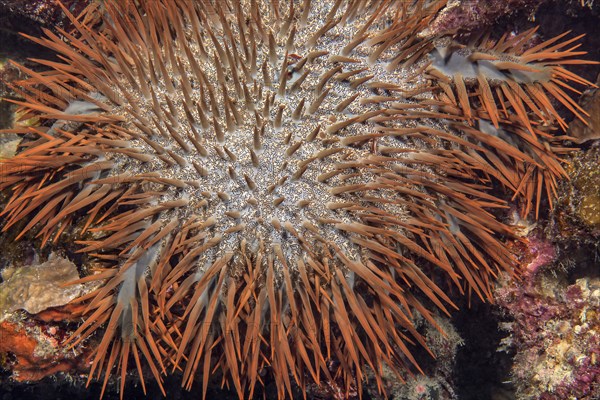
555 331
466 16
543 253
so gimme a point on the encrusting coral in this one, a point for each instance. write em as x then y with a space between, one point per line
263 195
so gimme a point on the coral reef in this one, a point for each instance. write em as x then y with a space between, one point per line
555 331
552 311
280 192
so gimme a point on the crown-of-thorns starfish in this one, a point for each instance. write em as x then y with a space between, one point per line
262 191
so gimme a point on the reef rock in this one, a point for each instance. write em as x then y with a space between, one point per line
35 288
555 332
590 102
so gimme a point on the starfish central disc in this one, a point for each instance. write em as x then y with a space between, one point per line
250 133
